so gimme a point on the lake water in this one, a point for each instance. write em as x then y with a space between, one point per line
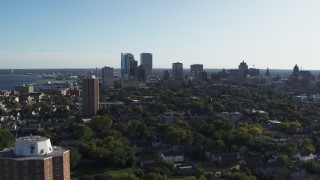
8 81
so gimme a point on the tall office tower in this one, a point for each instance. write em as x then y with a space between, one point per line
146 62
177 70
243 69
125 63
195 69
90 95
107 77
33 157
166 75
133 64
141 73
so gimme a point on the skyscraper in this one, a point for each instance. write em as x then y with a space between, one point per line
90 95
141 73
107 77
243 69
133 64
125 63
195 70
177 70
146 62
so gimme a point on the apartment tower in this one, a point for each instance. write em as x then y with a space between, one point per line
107 77
34 158
90 95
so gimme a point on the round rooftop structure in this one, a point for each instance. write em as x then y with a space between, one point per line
32 146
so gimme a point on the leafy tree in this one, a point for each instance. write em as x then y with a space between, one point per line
285 161
199 172
6 139
307 145
75 156
127 176
154 176
98 123
81 131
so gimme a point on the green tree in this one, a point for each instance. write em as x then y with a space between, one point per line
154 176
75 157
81 131
98 123
6 139
127 176
199 172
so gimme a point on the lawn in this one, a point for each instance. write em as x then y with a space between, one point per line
95 170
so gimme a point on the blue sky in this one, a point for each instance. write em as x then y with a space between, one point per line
219 34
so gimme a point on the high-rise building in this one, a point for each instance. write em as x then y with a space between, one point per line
107 77
146 62
33 157
141 73
133 68
125 63
195 70
177 70
243 69
196 67
90 96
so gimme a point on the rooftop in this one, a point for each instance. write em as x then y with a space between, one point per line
32 138
9 154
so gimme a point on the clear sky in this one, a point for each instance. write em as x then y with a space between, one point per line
216 33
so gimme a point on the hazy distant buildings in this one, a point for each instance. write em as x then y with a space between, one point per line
90 95
166 75
133 65
243 69
196 68
33 158
107 77
141 73
24 88
195 71
146 62
177 70
125 63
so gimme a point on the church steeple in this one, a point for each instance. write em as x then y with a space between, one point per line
268 72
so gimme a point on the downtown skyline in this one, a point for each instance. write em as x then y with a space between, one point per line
217 34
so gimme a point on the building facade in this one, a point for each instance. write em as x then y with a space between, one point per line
146 62
133 68
125 63
177 70
107 77
90 96
34 158
195 70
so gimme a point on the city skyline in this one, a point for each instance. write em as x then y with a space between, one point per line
217 34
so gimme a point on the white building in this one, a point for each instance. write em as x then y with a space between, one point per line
32 146
173 156
146 62
305 156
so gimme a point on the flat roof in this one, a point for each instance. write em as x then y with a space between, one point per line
9 154
32 138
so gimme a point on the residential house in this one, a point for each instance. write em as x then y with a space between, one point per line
172 156
305 156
